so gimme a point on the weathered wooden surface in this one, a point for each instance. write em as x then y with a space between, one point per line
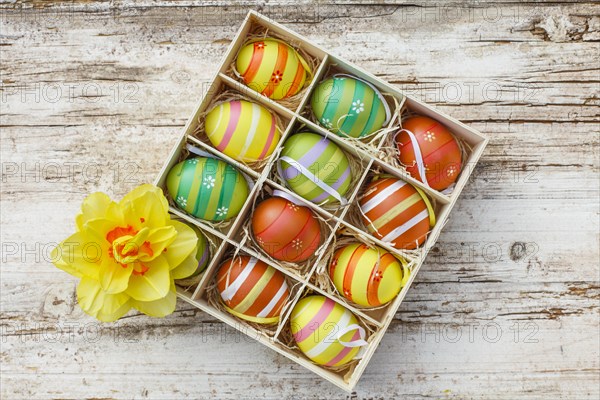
94 94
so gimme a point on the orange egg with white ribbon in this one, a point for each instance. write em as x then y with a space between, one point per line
429 151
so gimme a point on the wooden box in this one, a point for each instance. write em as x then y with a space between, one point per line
371 157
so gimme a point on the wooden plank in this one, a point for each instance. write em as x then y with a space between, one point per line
521 245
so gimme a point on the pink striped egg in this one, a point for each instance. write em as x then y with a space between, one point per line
243 130
325 331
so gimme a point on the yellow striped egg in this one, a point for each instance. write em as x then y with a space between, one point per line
243 130
366 276
273 68
326 332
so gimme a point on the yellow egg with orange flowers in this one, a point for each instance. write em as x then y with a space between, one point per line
273 68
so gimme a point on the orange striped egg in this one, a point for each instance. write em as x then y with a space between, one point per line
397 212
326 332
273 68
243 130
366 276
252 290
286 231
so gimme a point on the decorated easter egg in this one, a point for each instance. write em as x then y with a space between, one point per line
315 168
429 151
286 231
243 130
202 252
366 276
187 270
252 290
349 106
397 212
326 332
207 188
273 68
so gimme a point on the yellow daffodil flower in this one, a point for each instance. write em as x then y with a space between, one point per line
127 254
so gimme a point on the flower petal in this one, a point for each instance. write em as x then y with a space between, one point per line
153 284
184 245
93 206
97 229
145 206
118 313
98 205
158 308
146 188
186 268
99 304
60 254
159 239
114 278
60 264
78 256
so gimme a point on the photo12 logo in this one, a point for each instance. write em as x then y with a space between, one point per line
488 332
71 172
64 92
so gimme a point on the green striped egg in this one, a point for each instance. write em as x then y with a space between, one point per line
207 188
322 158
349 107
202 252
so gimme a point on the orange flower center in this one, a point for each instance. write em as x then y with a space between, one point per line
128 246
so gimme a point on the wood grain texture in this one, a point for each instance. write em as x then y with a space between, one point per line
93 95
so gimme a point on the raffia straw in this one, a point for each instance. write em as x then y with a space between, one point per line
213 245
214 299
389 149
321 276
302 268
260 33
356 170
286 339
224 97
217 225
357 218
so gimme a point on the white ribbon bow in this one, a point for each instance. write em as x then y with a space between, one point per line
310 176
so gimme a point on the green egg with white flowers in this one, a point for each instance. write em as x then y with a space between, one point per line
208 188
349 106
